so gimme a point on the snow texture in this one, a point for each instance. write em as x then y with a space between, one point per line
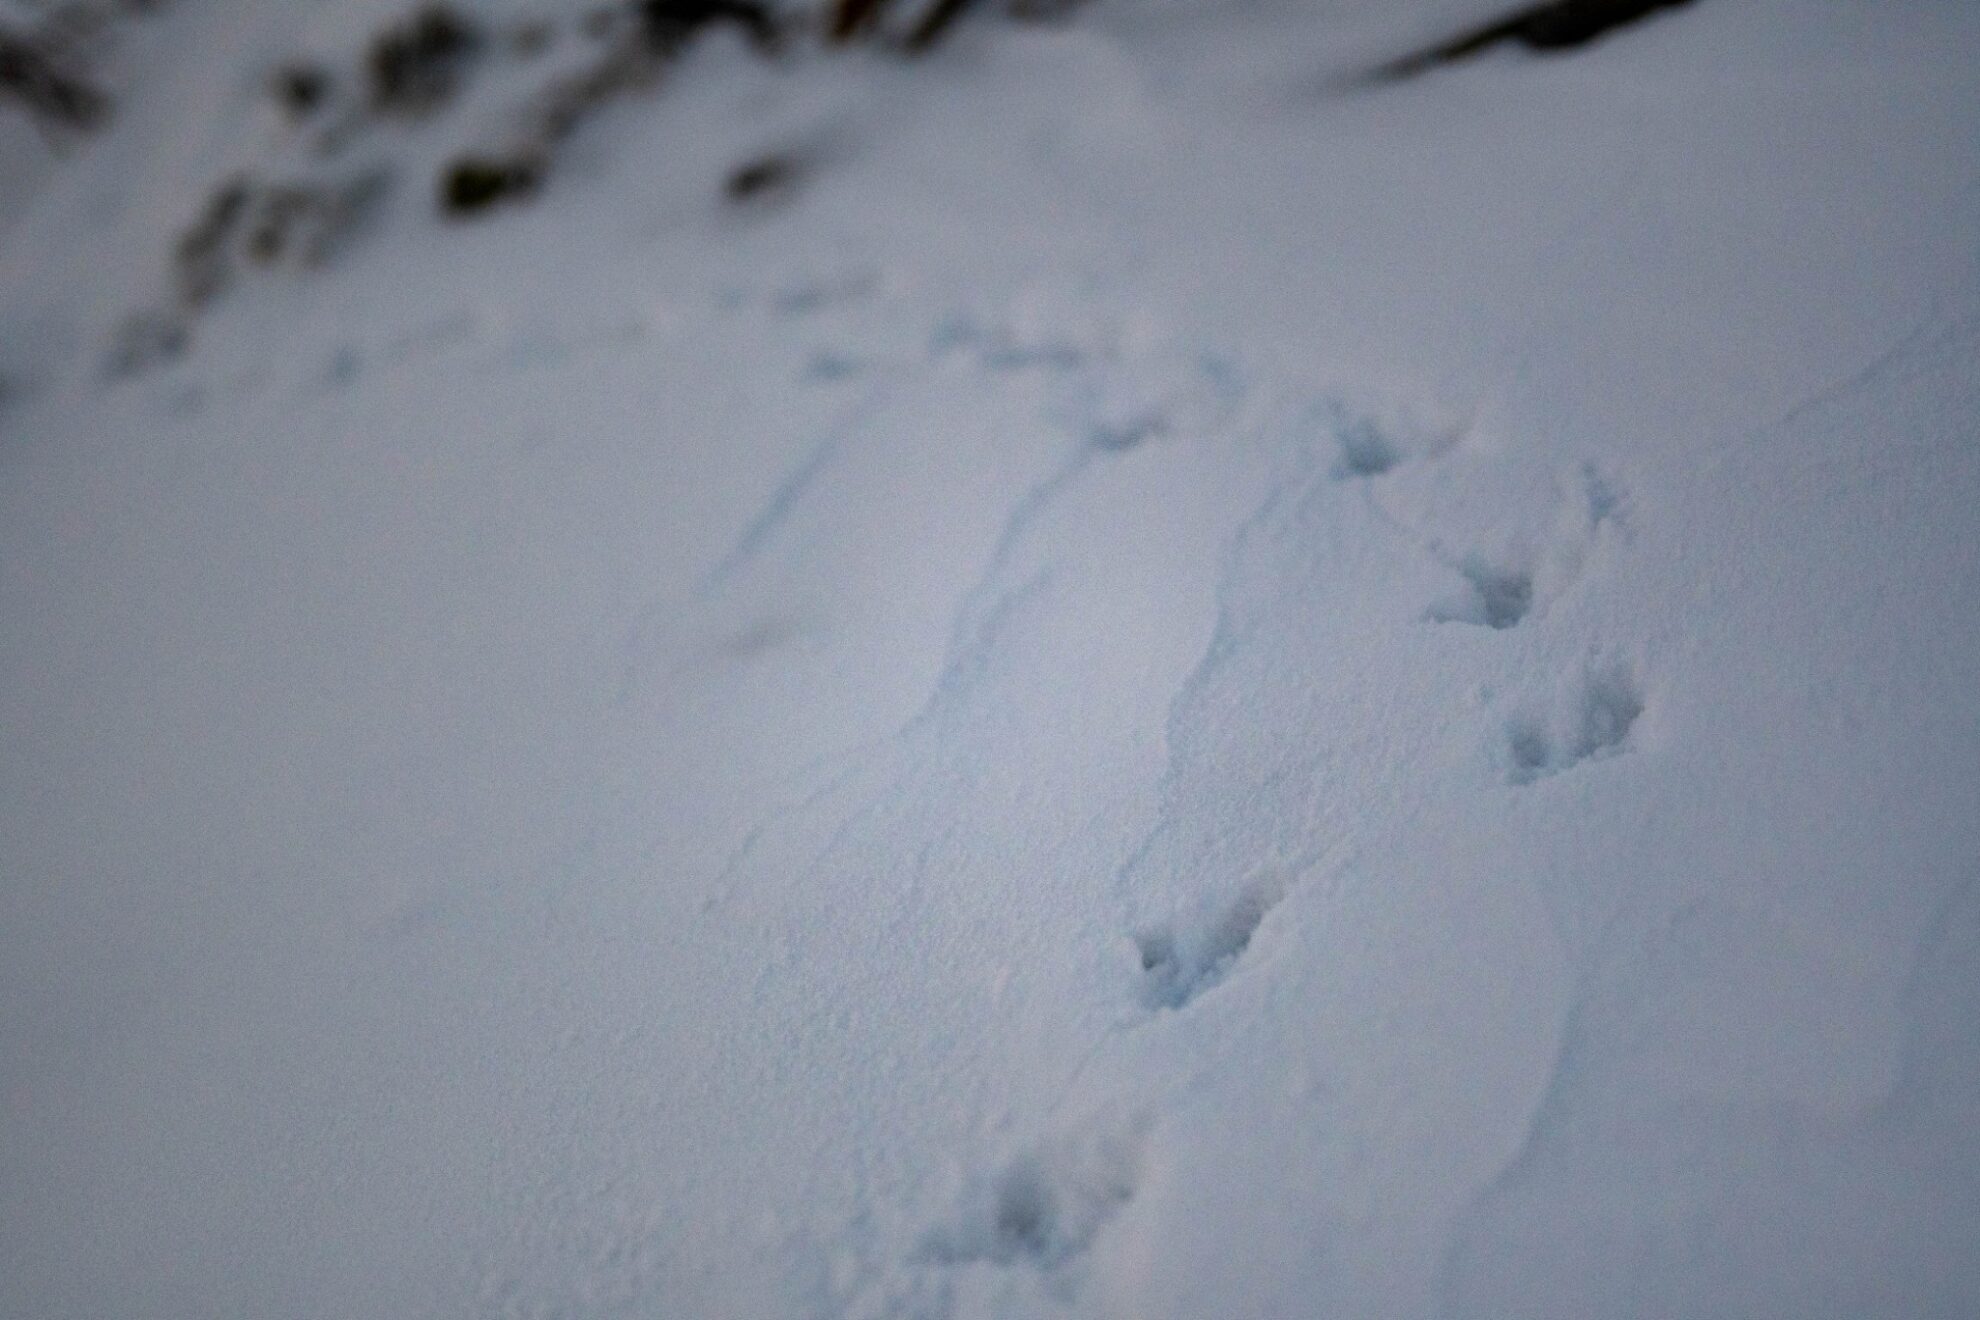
1168 682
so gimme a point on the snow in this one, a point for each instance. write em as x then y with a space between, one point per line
1181 687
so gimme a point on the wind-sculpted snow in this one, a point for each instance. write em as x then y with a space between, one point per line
1091 673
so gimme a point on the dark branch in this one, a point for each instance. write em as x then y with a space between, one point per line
1559 25
29 73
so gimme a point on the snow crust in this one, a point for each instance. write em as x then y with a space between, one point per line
1182 688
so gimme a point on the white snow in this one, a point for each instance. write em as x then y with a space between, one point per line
1182 688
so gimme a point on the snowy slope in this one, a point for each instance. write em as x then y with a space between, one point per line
1181 687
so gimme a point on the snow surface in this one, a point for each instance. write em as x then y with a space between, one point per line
1183 688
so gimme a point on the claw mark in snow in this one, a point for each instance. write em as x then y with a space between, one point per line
1181 959
1496 597
1123 404
1365 451
1503 588
1369 448
1596 723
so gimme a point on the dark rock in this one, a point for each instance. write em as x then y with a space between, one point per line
245 221
670 24
852 18
300 90
199 264
472 184
934 24
304 223
770 179
928 22
417 65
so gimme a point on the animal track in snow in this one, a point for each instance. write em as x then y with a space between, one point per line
1596 722
1495 597
1121 404
1366 451
1182 958
1371 447
830 366
804 296
1002 348
1044 1207
1038 328
1503 588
